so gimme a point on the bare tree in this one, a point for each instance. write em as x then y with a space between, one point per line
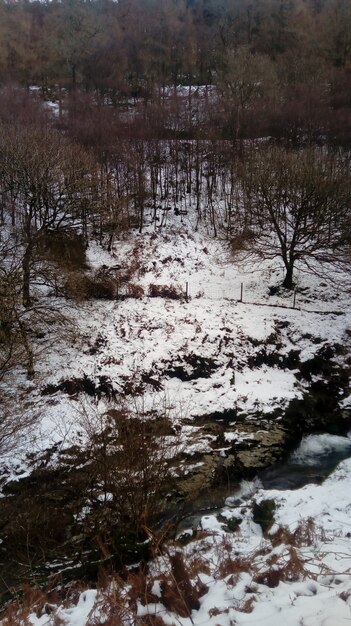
131 454
50 182
298 204
12 348
19 324
245 78
15 349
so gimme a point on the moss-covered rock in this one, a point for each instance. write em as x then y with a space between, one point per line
263 514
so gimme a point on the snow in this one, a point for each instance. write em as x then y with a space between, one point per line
129 339
329 504
77 615
320 595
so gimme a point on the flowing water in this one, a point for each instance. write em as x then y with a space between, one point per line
311 462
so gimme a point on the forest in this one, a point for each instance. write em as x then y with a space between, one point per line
156 100
273 67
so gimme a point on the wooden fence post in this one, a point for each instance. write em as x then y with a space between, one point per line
294 301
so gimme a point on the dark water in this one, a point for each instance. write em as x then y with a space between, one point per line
311 462
314 459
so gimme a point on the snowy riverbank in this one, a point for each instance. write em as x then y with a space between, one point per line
239 382
297 572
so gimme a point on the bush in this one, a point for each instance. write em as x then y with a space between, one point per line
130 477
65 248
239 241
166 291
76 286
81 287
135 291
101 286
263 514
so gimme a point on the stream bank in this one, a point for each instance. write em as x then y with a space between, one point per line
41 530
244 445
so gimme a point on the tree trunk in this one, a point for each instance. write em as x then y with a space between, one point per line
26 276
28 350
288 280
74 76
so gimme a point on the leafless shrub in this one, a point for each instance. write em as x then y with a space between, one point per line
117 608
135 291
291 570
76 287
198 565
127 272
241 241
247 606
227 563
283 535
117 602
65 248
100 285
105 283
307 532
345 595
179 592
15 614
166 291
215 611
15 425
80 286
130 474
31 599
200 294
233 567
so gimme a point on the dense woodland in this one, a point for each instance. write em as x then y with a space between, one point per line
280 67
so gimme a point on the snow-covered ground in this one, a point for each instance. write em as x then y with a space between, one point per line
138 344
298 573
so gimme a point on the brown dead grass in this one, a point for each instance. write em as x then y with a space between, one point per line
30 600
292 570
179 579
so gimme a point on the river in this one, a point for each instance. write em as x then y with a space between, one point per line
312 461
